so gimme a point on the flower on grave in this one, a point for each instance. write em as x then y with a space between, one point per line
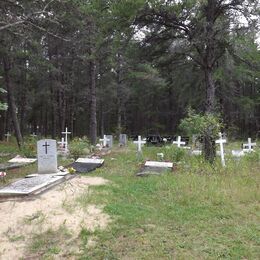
71 170
2 174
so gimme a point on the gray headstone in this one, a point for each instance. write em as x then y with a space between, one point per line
47 156
110 141
123 139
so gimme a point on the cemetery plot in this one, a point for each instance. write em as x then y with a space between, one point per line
31 185
84 165
154 168
16 162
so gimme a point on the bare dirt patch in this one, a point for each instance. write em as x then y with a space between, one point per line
20 220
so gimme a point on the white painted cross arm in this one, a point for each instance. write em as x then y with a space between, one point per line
221 141
104 140
139 143
179 142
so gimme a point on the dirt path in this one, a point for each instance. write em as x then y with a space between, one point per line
20 220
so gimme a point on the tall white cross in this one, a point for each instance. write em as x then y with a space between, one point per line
104 140
139 143
66 133
178 142
249 145
7 136
221 141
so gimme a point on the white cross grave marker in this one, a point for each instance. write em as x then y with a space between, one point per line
221 141
62 143
139 143
7 136
249 145
178 142
104 140
66 133
33 135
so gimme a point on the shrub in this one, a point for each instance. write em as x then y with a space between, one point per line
79 147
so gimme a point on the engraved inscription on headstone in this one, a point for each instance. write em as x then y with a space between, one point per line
47 156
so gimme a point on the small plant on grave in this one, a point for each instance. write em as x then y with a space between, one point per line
71 170
79 147
207 126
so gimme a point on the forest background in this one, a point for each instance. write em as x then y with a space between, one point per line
130 66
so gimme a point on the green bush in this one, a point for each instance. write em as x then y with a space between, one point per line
173 153
79 147
29 148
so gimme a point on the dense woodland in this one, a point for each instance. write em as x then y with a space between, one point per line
132 66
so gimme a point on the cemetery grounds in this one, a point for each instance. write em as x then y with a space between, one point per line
195 212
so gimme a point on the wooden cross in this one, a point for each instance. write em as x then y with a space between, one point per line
178 142
221 141
139 143
104 140
46 149
7 136
249 145
66 133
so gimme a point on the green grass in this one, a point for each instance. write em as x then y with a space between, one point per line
199 211
196 212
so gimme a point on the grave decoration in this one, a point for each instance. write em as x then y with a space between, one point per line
154 140
221 143
16 162
139 144
85 165
122 140
155 168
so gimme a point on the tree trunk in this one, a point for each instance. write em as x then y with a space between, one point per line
210 91
11 101
93 103
119 91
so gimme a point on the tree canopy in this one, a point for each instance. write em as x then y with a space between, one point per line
131 66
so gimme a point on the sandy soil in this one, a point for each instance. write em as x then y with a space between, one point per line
20 220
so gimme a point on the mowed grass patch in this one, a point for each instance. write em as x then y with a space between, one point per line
198 211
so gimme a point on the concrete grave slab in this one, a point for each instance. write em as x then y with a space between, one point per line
30 185
85 165
158 164
22 160
154 168
90 160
